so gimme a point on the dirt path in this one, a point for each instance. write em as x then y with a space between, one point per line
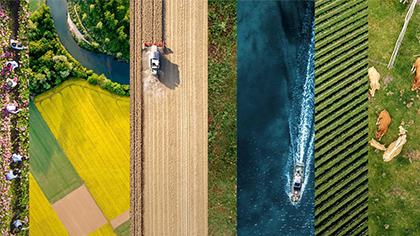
73 28
169 129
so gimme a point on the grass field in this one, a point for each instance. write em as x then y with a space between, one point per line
341 128
49 165
222 118
123 229
43 221
394 186
34 5
105 230
92 127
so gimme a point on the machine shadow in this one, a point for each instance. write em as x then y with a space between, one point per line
169 74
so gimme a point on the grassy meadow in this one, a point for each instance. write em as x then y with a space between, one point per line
222 118
394 187
92 126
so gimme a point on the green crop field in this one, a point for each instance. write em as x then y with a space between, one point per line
341 127
394 206
49 165
123 229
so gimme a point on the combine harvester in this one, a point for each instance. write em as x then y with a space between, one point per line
153 50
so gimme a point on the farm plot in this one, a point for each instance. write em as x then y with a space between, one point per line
123 229
44 220
340 117
49 165
104 230
394 186
92 127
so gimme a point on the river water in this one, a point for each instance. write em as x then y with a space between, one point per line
275 116
117 71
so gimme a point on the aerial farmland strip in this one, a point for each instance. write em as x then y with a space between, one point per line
169 126
54 173
341 117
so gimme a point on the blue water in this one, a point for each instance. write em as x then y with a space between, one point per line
275 116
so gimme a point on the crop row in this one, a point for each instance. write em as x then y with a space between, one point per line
341 179
335 12
329 140
341 80
326 7
343 201
340 119
342 142
337 122
327 112
346 53
339 187
340 162
345 26
331 97
339 221
323 123
357 7
339 47
322 77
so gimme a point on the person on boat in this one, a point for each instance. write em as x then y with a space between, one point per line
18 224
11 83
12 65
11 108
16 44
12 174
17 157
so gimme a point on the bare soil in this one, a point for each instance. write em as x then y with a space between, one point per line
79 213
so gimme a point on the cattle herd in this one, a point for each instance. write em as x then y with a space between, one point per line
384 119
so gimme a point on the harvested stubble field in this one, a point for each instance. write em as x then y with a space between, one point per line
394 187
44 220
92 127
49 164
169 125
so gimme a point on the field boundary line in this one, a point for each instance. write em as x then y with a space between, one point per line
401 37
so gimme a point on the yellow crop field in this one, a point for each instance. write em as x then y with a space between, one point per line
105 230
43 219
92 126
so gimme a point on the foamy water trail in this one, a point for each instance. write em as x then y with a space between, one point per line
301 122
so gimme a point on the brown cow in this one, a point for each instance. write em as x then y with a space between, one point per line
416 69
383 121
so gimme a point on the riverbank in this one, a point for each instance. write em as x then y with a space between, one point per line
73 28
63 65
116 71
104 37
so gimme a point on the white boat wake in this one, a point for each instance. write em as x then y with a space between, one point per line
302 130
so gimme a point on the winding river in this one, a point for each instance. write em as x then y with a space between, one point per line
117 71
